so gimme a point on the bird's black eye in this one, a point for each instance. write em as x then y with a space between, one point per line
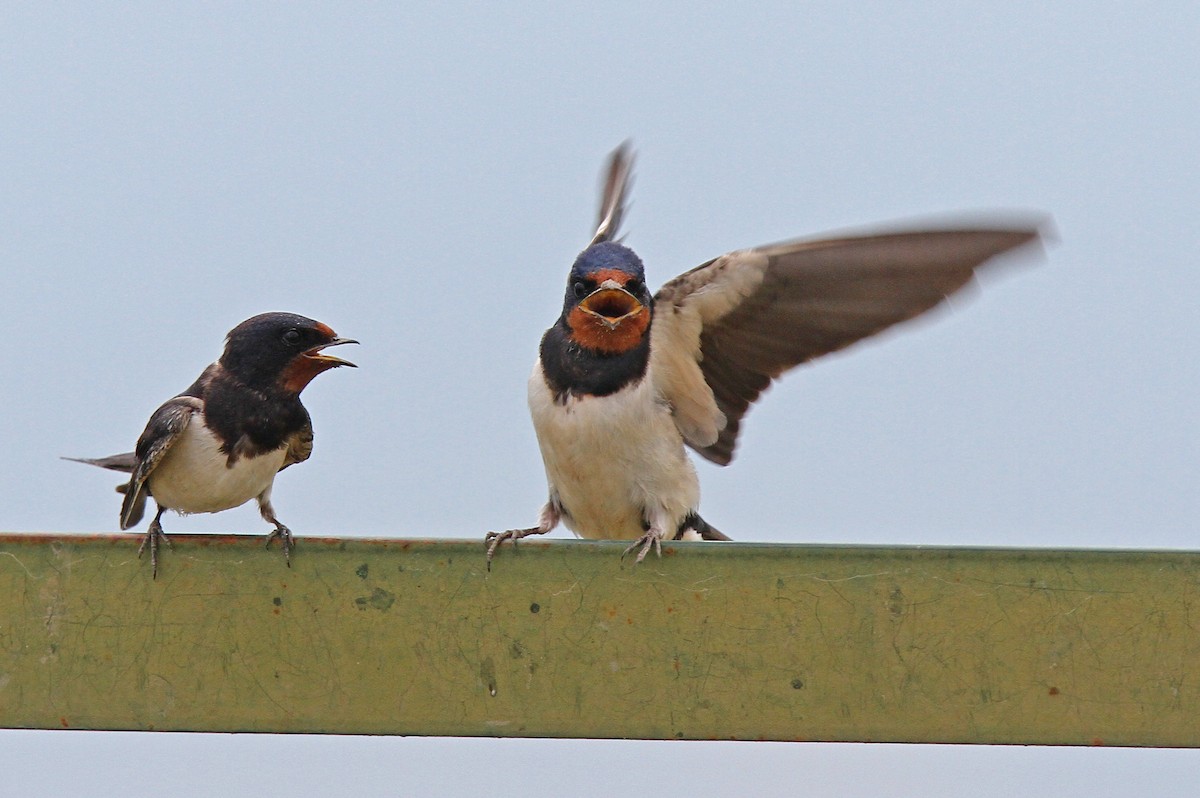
292 337
580 290
634 286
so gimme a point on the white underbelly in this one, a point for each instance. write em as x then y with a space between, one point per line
615 462
194 477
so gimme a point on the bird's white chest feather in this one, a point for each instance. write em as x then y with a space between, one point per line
194 477
614 460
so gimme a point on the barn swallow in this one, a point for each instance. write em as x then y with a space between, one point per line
625 379
220 442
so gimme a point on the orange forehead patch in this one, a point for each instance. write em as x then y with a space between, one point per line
588 331
326 330
616 275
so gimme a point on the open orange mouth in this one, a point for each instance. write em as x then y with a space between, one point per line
611 306
329 361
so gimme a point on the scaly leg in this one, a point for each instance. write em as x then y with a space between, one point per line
153 536
282 532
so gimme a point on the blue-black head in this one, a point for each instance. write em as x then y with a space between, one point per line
281 349
607 260
607 306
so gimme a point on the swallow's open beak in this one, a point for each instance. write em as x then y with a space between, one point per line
329 361
611 306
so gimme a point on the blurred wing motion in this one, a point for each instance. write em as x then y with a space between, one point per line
724 330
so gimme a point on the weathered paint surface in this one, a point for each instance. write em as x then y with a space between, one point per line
562 639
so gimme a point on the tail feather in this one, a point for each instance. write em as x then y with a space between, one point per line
124 462
133 506
616 186
694 523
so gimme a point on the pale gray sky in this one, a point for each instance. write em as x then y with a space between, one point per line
421 178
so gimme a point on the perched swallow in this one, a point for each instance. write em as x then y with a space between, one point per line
220 443
625 379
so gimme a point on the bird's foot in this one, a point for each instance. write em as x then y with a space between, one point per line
650 540
154 535
493 539
285 539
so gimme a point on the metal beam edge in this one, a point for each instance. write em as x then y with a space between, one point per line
564 639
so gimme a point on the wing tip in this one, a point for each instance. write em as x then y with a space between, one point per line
1020 227
133 507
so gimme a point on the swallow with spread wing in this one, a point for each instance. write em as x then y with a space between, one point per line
221 442
625 379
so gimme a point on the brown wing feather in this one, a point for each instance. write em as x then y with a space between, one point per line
299 446
161 433
816 297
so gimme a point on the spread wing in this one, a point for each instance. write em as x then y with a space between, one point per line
161 433
299 445
724 330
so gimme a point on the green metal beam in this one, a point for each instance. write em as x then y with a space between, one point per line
563 639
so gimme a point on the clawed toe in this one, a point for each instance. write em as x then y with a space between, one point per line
493 540
285 539
645 543
154 535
